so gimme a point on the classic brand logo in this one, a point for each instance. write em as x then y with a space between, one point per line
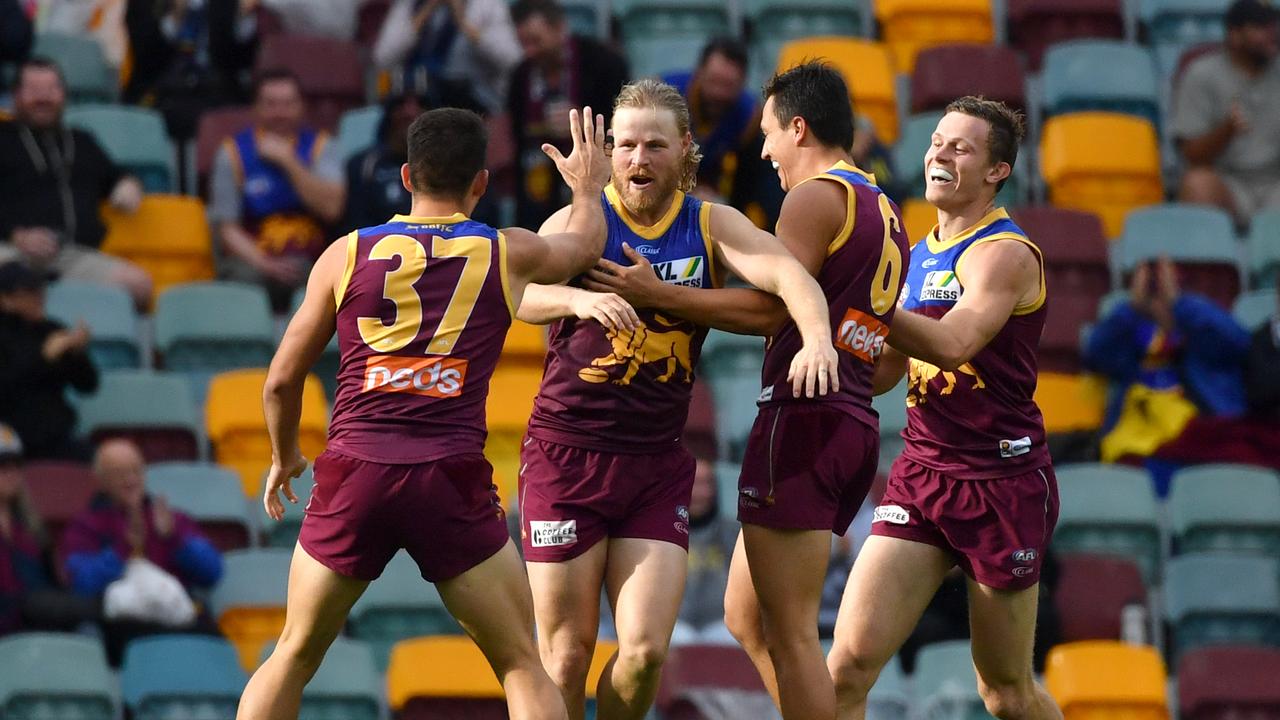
431 377
862 335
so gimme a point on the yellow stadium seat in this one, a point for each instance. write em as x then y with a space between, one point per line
603 653
1071 402
909 26
511 393
867 68
238 429
1107 680
249 629
525 343
919 217
1106 163
168 237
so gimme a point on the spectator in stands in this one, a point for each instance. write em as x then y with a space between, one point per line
101 20
560 70
39 360
1169 355
1261 381
189 56
375 191
125 534
52 180
1226 117
711 540
274 189
465 48
325 18
16 37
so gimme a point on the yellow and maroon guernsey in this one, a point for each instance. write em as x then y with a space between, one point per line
980 421
861 278
423 309
622 391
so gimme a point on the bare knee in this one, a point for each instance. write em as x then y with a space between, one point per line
1008 701
853 673
569 661
744 625
642 660
301 649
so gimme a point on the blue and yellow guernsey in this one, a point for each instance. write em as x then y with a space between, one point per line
624 391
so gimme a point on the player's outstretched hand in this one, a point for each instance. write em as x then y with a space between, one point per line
814 368
279 478
587 168
607 309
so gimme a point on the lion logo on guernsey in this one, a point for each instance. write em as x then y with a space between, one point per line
430 376
631 350
921 374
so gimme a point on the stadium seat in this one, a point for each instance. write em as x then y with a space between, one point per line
85 71
701 423
1229 681
109 313
216 125
662 36
135 138
918 216
947 72
909 26
397 606
151 408
211 495
775 23
1108 510
238 429
1076 268
358 130
55 675
1071 402
1252 309
1102 75
693 670
347 686
214 326
1231 508
329 362
945 683
510 402
370 17
168 677
525 343
1092 591
330 72
249 602
1034 25
888 698
1099 679
1206 251
283 533
1213 599
59 490
892 407
1106 163
732 365
1172 26
908 161
168 236
868 70
439 677
1263 250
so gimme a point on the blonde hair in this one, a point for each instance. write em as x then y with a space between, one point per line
650 93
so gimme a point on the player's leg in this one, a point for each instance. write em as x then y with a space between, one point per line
492 603
566 603
891 584
742 617
318 602
645 580
1003 626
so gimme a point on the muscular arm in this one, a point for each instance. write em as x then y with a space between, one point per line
890 368
542 304
558 252
997 277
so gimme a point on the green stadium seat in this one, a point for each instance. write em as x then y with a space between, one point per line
211 495
108 311
908 154
732 364
181 677
134 138
284 532
1233 508
892 407
154 409
587 17
249 602
326 368
398 606
1172 26
1206 252
1213 599
889 699
945 683
84 68
1263 250
1109 510
1252 309
775 23
1106 75
358 129
662 36
346 687
55 676
205 328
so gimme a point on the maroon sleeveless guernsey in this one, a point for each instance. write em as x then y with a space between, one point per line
979 422
423 309
861 277
628 392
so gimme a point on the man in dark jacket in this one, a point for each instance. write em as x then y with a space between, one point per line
39 359
559 71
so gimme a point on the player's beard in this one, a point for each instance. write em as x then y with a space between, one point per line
657 194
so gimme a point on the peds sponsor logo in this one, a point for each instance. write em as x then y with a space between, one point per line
941 285
862 335
553 533
430 377
685 271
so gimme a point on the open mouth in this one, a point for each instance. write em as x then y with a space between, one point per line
939 176
640 182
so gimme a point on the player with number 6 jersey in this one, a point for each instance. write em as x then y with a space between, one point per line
421 306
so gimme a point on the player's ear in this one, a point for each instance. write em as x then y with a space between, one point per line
686 142
406 178
999 171
799 128
479 184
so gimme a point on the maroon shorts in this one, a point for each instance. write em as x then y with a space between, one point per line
807 466
572 498
997 530
445 513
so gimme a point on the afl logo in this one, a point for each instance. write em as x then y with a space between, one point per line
1025 556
